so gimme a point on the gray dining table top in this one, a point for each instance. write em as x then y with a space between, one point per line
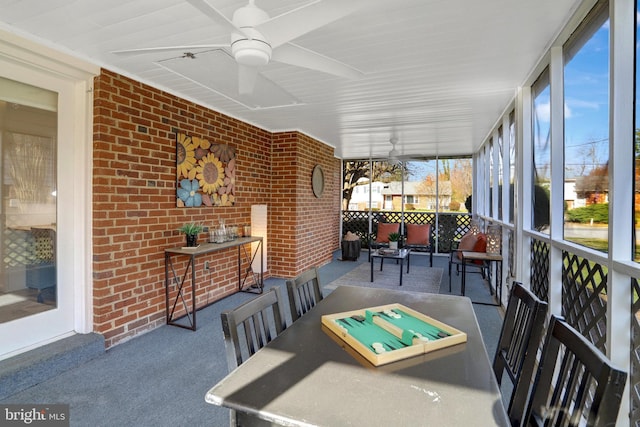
308 376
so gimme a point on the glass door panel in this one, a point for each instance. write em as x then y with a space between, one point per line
28 142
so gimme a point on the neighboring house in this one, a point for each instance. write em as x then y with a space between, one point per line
418 195
571 197
362 199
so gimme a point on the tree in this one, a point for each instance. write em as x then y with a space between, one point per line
353 170
461 177
445 170
637 172
595 185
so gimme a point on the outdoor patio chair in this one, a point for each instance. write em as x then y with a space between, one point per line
575 383
304 293
469 242
382 236
521 335
420 239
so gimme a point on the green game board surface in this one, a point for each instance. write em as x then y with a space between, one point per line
393 332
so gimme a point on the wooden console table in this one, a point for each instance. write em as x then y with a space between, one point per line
172 278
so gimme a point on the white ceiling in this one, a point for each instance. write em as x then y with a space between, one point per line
437 74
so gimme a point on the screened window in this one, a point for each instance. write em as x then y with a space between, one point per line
586 136
419 191
636 255
490 180
500 172
541 153
512 165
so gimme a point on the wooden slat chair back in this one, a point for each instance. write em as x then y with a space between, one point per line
304 292
252 325
521 335
575 383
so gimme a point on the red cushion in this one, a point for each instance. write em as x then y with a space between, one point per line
481 243
384 229
480 246
418 234
467 243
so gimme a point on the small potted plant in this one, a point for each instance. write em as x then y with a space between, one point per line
191 232
393 240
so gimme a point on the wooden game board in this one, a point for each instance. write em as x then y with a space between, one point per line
391 332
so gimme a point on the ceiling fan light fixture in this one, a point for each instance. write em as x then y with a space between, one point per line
250 47
251 52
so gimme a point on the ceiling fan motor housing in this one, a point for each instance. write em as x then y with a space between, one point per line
250 47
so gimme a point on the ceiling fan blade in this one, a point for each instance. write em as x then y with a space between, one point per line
246 79
213 13
291 25
299 56
187 48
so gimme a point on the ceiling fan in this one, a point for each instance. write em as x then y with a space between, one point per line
256 39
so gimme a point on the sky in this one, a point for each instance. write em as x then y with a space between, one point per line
586 92
586 108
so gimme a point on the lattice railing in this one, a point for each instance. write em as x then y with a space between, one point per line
420 218
540 269
356 222
584 293
451 226
20 248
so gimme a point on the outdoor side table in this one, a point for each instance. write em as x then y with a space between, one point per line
487 259
401 255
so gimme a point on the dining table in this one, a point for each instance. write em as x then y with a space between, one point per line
308 376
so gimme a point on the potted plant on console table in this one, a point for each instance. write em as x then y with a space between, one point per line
393 241
191 232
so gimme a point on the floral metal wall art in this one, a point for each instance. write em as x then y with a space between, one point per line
206 173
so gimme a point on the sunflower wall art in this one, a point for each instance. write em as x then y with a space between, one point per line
206 173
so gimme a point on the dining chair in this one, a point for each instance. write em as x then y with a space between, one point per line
521 335
419 238
252 325
304 293
575 383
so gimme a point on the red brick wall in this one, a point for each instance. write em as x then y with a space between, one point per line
305 226
134 210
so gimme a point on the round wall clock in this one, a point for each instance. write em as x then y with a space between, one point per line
317 181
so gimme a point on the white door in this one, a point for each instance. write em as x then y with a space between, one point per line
44 213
